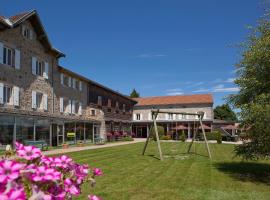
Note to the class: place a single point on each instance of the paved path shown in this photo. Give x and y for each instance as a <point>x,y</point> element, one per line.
<point>74,149</point>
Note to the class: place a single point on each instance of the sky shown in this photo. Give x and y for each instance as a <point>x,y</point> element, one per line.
<point>158,47</point>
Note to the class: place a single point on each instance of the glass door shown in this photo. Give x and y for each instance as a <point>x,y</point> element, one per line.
<point>60,135</point>
<point>96,133</point>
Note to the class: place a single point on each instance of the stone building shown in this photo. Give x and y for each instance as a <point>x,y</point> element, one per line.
<point>40,100</point>
<point>172,123</point>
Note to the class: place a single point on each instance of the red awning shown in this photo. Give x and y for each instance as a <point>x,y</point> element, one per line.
<point>205,127</point>
<point>180,127</point>
<point>229,127</point>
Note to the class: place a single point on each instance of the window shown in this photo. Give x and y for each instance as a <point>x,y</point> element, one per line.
<point>109,103</point>
<point>9,56</point>
<point>39,100</point>
<point>75,107</point>
<point>39,68</point>
<point>66,105</point>
<point>138,116</point>
<point>99,100</point>
<point>93,112</point>
<point>124,108</point>
<point>66,81</point>
<point>7,94</point>
<point>26,33</point>
<point>170,116</point>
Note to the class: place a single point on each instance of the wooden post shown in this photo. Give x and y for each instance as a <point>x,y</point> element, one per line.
<point>193,138</point>
<point>157,137</point>
<point>205,139</point>
<point>147,140</point>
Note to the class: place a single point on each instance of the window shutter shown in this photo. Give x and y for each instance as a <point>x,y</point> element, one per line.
<point>34,99</point>
<point>80,109</point>
<point>62,78</point>
<point>204,116</point>
<point>34,65</point>
<point>174,116</point>
<point>166,116</point>
<point>16,96</point>
<point>69,106</point>
<point>1,53</point>
<point>134,116</point>
<point>61,104</point>
<point>149,116</point>
<point>69,81</point>
<point>74,83</point>
<point>1,93</point>
<point>45,101</point>
<point>17,59</point>
<point>46,70</point>
<point>23,28</point>
<point>73,107</point>
<point>80,86</point>
<point>31,34</point>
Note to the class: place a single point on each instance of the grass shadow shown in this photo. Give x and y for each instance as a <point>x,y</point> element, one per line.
<point>246,171</point>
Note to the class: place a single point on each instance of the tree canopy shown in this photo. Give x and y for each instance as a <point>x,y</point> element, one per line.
<point>134,94</point>
<point>224,112</point>
<point>253,98</point>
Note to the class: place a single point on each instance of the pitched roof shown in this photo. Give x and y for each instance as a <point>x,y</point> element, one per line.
<point>83,78</point>
<point>175,100</point>
<point>15,20</point>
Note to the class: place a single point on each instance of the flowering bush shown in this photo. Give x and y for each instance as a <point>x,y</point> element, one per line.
<point>35,176</point>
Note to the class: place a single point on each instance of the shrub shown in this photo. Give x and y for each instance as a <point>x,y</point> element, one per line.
<point>165,137</point>
<point>211,135</point>
<point>34,176</point>
<point>160,132</point>
<point>127,138</point>
<point>218,137</point>
<point>183,136</point>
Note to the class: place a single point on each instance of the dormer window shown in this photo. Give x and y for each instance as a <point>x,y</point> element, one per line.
<point>27,33</point>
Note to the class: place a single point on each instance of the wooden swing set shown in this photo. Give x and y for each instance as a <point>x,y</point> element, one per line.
<point>155,113</point>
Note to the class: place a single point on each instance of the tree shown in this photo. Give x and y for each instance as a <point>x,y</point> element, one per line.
<point>253,98</point>
<point>224,112</point>
<point>134,94</point>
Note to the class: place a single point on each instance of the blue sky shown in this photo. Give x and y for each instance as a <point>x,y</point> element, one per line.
<point>159,47</point>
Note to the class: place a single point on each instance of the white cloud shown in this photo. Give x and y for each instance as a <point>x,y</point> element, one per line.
<point>174,90</point>
<point>201,90</point>
<point>230,80</point>
<point>221,88</point>
<point>175,93</point>
<point>216,89</point>
<point>151,55</point>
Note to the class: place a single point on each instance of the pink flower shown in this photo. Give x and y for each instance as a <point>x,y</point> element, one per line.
<point>93,197</point>
<point>29,152</point>
<point>9,170</point>
<point>49,161</point>
<point>44,173</point>
<point>71,187</point>
<point>81,171</point>
<point>57,192</point>
<point>14,194</point>
<point>97,172</point>
<point>18,145</point>
<point>62,161</point>
<point>39,195</point>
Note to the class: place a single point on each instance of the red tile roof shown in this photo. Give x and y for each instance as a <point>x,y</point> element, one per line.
<point>17,17</point>
<point>175,100</point>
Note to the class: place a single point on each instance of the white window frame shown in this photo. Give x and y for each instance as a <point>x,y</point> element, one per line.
<point>6,57</point>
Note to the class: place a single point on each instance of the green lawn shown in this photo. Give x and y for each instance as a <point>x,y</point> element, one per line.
<point>129,175</point>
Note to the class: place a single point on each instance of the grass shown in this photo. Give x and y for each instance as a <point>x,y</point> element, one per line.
<point>131,176</point>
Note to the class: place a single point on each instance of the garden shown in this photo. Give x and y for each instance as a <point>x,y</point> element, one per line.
<point>129,175</point>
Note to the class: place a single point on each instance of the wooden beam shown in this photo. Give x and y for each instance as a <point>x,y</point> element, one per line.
<point>205,140</point>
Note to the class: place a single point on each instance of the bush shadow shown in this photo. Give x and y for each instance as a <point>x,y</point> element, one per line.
<point>246,171</point>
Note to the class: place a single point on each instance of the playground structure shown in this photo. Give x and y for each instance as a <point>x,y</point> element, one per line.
<point>155,113</point>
